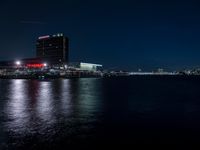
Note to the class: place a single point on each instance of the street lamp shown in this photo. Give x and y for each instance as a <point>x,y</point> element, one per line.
<point>18,63</point>
<point>45,64</point>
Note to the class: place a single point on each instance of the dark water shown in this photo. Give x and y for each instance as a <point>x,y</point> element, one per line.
<point>78,112</point>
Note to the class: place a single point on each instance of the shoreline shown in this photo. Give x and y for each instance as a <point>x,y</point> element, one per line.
<point>76,77</point>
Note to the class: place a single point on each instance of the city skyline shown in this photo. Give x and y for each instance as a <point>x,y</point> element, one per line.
<point>125,35</point>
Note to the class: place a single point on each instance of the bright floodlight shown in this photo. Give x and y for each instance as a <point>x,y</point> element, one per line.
<point>18,62</point>
<point>45,64</point>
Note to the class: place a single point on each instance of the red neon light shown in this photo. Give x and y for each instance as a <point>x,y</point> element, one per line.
<point>35,65</point>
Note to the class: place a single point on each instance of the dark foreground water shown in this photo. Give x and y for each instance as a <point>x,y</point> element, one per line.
<point>83,112</point>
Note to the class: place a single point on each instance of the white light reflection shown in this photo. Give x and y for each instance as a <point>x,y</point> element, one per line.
<point>66,97</point>
<point>45,107</point>
<point>17,107</point>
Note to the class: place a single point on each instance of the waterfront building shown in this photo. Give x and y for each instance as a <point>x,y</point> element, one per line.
<point>85,66</point>
<point>54,49</point>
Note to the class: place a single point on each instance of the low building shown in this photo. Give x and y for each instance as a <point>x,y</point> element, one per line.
<point>85,66</point>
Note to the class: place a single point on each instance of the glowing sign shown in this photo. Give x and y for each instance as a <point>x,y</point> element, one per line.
<point>35,65</point>
<point>44,37</point>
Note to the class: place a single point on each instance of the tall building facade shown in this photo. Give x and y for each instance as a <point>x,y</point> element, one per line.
<point>53,49</point>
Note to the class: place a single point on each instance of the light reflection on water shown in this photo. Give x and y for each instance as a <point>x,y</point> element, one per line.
<point>17,110</point>
<point>66,98</point>
<point>143,109</point>
<point>89,99</point>
<point>43,109</point>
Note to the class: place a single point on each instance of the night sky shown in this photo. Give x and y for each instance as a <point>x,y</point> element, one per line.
<point>120,34</point>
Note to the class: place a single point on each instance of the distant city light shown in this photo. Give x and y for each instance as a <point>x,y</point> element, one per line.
<point>18,63</point>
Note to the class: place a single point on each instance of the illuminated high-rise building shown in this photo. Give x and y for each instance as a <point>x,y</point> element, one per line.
<point>54,49</point>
